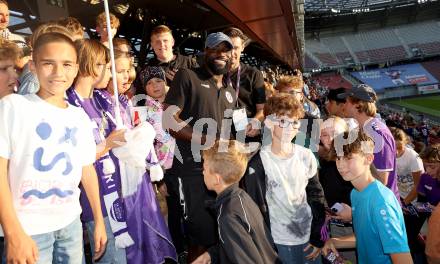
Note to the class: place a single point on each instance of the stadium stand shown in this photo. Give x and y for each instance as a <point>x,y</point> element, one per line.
<point>331,81</point>
<point>377,46</point>
<point>433,67</point>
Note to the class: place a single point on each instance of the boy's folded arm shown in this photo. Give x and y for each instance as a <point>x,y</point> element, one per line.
<point>316,200</point>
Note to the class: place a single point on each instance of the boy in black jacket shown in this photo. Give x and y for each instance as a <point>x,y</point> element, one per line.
<point>244,237</point>
<point>282,180</point>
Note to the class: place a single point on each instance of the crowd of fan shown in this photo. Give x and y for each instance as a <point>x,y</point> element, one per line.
<point>305,192</point>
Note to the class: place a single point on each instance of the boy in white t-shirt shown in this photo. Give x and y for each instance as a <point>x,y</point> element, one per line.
<point>46,149</point>
<point>282,180</point>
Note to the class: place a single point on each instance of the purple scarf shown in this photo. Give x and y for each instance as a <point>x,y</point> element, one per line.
<point>107,166</point>
<point>146,224</point>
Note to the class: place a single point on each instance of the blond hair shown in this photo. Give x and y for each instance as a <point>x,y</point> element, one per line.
<point>73,25</point>
<point>132,74</point>
<point>90,52</point>
<point>369,108</point>
<point>101,21</point>
<point>400,136</point>
<point>230,163</point>
<point>9,50</point>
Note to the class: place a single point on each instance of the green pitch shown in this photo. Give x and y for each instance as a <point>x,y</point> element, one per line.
<point>429,105</point>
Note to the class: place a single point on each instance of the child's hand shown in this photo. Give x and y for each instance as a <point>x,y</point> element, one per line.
<point>115,139</point>
<point>21,249</point>
<point>205,258</point>
<point>315,252</point>
<point>329,246</point>
<point>345,214</point>
<point>100,238</point>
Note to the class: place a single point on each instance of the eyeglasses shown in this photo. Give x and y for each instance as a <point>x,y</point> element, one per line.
<point>284,122</point>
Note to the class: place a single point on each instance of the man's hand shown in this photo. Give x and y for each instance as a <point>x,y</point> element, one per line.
<point>205,258</point>
<point>314,254</point>
<point>100,238</point>
<point>345,214</point>
<point>21,249</point>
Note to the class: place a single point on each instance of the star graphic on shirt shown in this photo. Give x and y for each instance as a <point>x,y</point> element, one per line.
<point>69,136</point>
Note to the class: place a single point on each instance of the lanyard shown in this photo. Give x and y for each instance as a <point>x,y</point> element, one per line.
<point>237,86</point>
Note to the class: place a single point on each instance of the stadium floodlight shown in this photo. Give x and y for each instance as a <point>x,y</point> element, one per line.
<point>361,10</point>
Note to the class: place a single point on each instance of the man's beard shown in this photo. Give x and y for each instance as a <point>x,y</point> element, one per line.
<point>217,69</point>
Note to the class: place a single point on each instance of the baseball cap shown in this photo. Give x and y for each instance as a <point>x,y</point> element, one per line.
<point>214,39</point>
<point>362,92</point>
<point>333,95</point>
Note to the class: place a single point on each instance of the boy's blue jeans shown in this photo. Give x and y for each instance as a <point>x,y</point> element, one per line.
<point>64,246</point>
<point>295,254</point>
<point>112,254</point>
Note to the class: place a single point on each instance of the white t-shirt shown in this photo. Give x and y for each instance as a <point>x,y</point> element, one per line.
<point>408,163</point>
<point>47,148</point>
<point>290,214</point>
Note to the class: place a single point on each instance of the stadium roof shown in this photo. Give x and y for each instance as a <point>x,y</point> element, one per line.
<point>336,16</point>
<point>271,24</point>
<point>355,6</point>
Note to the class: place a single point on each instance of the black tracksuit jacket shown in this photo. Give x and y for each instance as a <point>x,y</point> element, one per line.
<point>244,237</point>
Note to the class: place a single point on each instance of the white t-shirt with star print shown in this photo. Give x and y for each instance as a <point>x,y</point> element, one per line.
<point>47,147</point>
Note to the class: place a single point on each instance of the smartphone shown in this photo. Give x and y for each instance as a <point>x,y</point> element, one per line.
<point>330,211</point>
<point>332,258</point>
<point>337,208</point>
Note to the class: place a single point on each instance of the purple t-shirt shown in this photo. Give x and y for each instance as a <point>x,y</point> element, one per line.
<point>429,187</point>
<point>384,151</point>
